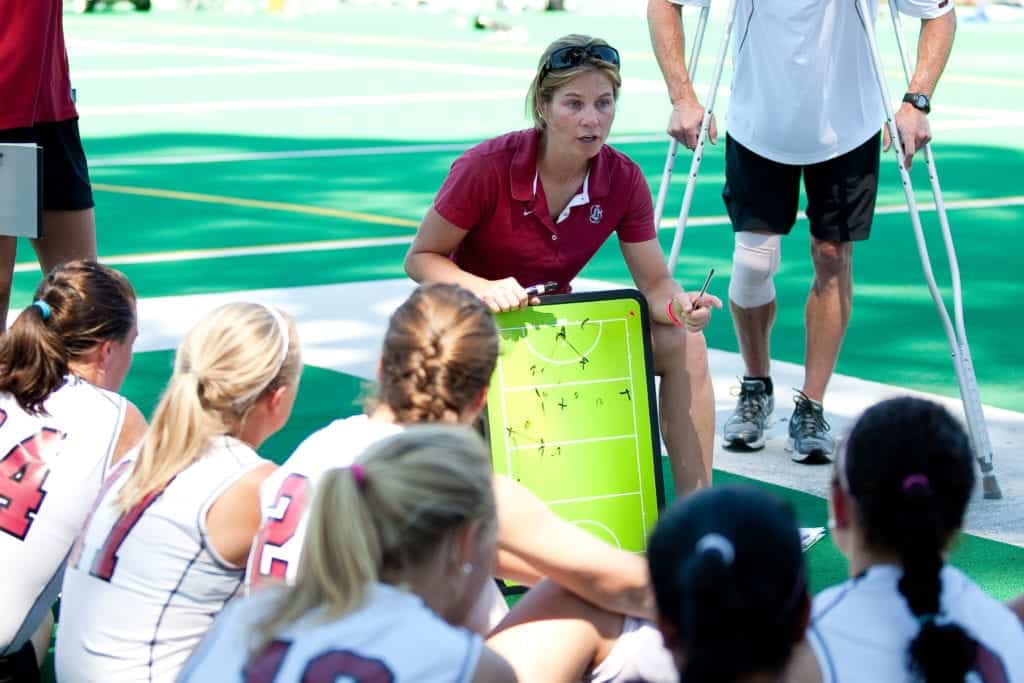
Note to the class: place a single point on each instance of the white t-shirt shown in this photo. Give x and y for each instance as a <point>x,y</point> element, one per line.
<point>393,636</point>
<point>860,630</point>
<point>286,494</point>
<point>51,467</point>
<point>142,588</point>
<point>803,87</point>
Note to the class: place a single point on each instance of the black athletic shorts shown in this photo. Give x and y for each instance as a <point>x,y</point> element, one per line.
<point>20,667</point>
<point>762,195</point>
<point>66,184</point>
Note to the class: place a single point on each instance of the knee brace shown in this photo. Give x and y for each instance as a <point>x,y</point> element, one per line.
<point>754,262</point>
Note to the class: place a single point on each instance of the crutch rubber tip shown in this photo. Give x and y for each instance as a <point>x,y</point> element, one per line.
<point>990,487</point>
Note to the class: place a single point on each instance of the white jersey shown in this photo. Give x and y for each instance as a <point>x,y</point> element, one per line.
<point>803,86</point>
<point>51,467</point>
<point>286,494</point>
<point>860,630</point>
<point>142,588</point>
<point>394,636</point>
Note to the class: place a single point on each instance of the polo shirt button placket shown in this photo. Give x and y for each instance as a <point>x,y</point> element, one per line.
<point>554,237</point>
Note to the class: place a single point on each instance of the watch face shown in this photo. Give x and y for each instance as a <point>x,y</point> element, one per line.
<point>920,101</point>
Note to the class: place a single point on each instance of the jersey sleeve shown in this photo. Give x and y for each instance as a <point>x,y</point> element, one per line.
<point>638,223</point>
<point>469,192</point>
<point>924,9</point>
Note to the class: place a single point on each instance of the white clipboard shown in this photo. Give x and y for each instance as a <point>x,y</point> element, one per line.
<point>21,190</point>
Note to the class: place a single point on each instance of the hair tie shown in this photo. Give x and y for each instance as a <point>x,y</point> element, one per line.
<point>719,544</point>
<point>912,480</point>
<point>44,309</point>
<point>926,619</point>
<point>359,474</point>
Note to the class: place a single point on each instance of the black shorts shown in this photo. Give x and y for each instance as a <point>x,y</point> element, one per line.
<point>762,195</point>
<point>20,667</point>
<point>66,184</point>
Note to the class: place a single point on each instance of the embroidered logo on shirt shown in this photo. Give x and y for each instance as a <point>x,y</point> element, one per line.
<point>596,213</point>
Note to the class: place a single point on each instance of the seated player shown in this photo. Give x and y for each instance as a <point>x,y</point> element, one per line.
<point>534,206</point>
<point>165,545</point>
<point>902,480</point>
<point>731,585</point>
<point>61,427</point>
<point>439,352</point>
<point>381,596</point>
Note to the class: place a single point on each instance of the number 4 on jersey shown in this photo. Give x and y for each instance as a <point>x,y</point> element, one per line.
<point>22,473</point>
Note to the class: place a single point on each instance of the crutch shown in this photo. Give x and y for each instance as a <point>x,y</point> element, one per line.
<point>957,336</point>
<point>673,144</point>
<point>705,125</point>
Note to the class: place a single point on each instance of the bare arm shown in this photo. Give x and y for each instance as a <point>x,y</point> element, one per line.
<point>664,21</point>
<point>646,264</point>
<point>933,48</point>
<point>605,576</point>
<point>234,518</point>
<point>493,667</point>
<point>429,260</point>
<point>1017,605</point>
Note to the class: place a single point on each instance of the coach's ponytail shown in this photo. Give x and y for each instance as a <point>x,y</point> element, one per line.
<point>224,365</point>
<point>399,501</point>
<point>439,352</point>
<point>729,577</point>
<point>77,305</point>
<point>909,467</point>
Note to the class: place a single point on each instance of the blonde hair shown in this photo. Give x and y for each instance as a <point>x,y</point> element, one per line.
<point>546,82</point>
<point>438,356</point>
<point>85,304</point>
<point>412,491</point>
<point>236,355</point>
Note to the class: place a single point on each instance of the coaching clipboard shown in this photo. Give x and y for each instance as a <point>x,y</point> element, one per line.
<point>572,414</point>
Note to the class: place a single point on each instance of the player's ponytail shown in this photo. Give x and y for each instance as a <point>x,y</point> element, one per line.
<point>908,465</point>
<point>224,365</point>
<point>728,575</point>
<point>77,306</point>
<point>439,352</point>
<point>399,501</point>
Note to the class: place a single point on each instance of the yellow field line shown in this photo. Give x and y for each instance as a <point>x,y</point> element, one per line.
<point>255,204</point>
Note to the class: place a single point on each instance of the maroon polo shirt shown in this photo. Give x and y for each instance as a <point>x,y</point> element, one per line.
<point>489,193</point>
<point>34,84</point>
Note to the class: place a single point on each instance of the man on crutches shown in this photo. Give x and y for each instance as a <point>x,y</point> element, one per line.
<point>805,101</point>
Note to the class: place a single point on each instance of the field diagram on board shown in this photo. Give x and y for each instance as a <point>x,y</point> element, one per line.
<point>571,412</point>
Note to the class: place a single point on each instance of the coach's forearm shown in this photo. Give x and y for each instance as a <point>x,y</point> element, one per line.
<point>667,38</point>
<point>933,48</point>
<point>430,267</point>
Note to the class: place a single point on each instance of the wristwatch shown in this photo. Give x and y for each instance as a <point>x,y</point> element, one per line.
<point>919,101</point>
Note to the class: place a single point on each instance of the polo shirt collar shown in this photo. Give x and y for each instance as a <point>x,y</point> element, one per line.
<point>524,170</point>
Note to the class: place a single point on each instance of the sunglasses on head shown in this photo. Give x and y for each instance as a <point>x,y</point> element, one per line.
<point>569,57</point>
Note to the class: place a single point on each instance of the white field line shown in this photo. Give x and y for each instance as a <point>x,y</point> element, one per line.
<point>375,242</point>
<point>573,442</point>
<point>586,499</point>
<point>531,387</point>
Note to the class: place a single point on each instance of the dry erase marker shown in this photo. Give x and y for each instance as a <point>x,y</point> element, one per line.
<point>542,288</point>
<point>703,290</point>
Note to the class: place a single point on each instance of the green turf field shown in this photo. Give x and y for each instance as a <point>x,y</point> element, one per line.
<point>237,152</point>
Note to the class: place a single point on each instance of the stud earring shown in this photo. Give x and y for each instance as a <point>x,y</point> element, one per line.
<point>467,567</point>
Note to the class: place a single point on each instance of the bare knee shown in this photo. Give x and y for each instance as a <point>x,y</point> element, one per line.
<point>676,349</point>
<point>831,259</point>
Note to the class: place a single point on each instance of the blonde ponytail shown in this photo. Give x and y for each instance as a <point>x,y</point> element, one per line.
<point>224,365</point>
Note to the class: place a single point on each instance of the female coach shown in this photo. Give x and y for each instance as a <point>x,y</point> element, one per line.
<point>533,206</point>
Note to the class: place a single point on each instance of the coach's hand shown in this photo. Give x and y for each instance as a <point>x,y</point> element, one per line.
<point>505,295</point>
<point>684,124</point>
<point>915,132</point>
<point>694,313</point>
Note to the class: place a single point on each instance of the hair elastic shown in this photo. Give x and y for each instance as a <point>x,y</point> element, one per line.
<point>672,315</point>
<point>44,309</point>
<point>359,474</point>
<point>912,480</point>
<point>717,543</point>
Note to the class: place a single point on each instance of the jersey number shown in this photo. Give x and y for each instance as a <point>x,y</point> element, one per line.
<point>324,668</point>
<point>105,561</point>
<point>277,532</point>
<point>22,473</point>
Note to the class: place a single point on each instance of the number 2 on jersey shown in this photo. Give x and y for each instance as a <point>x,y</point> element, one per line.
<point>22,473</point>
<point>278,531</point>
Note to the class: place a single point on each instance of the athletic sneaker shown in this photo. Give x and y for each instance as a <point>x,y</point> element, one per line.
<point>809,437</point>
<point>744,430</point>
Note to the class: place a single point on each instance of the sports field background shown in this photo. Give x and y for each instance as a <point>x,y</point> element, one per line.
<point>233,152</point>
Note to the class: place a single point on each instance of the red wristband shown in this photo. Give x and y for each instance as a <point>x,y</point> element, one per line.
<point>671,315</point>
